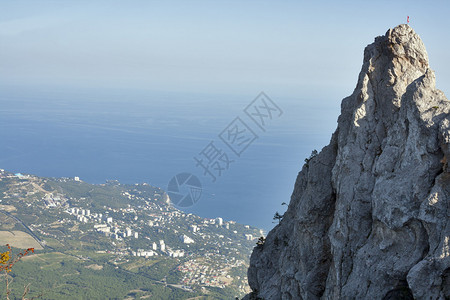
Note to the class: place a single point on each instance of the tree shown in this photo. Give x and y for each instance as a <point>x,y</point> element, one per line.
<point>313,154</point>
<point>278,217</point>
<point>7,261</point>
<point>261,241</point>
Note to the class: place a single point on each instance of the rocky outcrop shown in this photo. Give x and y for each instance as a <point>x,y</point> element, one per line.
<point>369,217</point>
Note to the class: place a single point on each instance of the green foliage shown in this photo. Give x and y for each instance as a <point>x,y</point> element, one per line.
<point>313,154</point>
<point>278,217</point>
<point>160,270</point>
<point>68,277</point>
<point>260,242</point>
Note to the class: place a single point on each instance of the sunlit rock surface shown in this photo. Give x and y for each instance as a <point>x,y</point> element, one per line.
<point>369,217</point>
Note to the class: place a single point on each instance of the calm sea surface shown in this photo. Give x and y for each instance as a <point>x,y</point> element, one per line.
<point>137,137</point>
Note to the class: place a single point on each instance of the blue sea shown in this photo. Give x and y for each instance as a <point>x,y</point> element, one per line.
<point>137,136</point>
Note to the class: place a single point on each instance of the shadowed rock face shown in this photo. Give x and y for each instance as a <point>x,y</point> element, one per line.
<point>369,217</point>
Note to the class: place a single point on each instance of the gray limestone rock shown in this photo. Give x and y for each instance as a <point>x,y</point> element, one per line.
<point>369,217</point>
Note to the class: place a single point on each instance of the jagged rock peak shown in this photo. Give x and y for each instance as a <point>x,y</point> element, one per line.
<point>401,43</point>
<point>393,62</point>
<point>369,217</point>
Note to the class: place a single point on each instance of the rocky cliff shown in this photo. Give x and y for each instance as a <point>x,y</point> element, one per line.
<point>369,217</point>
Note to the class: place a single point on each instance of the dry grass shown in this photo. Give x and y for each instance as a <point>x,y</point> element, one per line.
<point>94,267</point>
<point>8,208</point>
<point>19,239</point>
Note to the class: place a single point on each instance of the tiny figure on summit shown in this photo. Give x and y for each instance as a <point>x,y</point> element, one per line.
<point>407,19</point>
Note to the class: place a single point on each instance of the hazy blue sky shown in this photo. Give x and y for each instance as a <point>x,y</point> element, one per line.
<point>289,48</point>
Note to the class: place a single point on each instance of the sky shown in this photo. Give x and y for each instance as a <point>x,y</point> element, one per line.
<point>286,48</point>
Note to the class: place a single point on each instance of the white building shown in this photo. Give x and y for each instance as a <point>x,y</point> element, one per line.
<point>136,235</point>
<point>185,239</point>
<point>143,253</point>
<point>109,220</point>
<point>102,228</point>
<point>155,246</point>
<point>219,221</point>
<point>162,245</point>
<point>148,253</point>
<point>176,253</point>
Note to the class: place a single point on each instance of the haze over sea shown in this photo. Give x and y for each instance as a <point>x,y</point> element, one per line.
<point>149,84</point>
<point>141,136</point>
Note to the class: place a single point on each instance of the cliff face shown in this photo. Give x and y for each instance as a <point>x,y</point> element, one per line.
<point>369,217</point>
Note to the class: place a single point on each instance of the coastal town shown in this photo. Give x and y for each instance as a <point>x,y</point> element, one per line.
<point>134,226</point>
